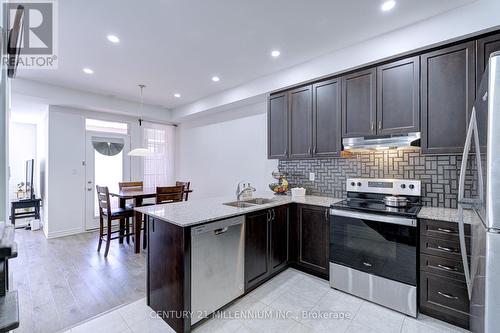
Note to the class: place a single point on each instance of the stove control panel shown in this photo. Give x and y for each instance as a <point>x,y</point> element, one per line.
<point>384,186</point>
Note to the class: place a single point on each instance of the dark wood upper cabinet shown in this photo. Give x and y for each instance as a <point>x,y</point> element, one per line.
<point>447,96</point>
<point>300,114</point>
<point>359,103</point>
<point>327,123</point>
<point>277,126</point>
<point>278,228</point>
<point>398,97</point>
<point>257,265</point>
<point>485,47</point>
<point>311,232</point>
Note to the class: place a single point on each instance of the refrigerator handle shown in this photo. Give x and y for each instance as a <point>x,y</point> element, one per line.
<point>472,130</point>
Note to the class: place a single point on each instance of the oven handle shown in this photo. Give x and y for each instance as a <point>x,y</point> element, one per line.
<point>375,217</point>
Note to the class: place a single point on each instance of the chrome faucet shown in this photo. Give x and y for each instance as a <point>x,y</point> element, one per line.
<point>242,189</point>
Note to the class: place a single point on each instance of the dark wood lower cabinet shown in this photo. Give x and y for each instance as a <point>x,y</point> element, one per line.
<point>266,244</point>
<point>445,299</point>
<point>168,274</point>
<point>257,266</point>
<point>443,291</point>
<point>279,231</point>
<point>310,238</point>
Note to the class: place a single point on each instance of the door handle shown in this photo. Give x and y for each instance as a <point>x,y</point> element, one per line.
<point>220,231</point>
<point>448,231</point>
<point>448,268</point>
<point>447,249</point>
<point>447,295</point>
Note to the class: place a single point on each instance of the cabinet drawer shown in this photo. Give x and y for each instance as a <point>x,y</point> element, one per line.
<point>441,229</point>
<point>442,247</point>
<point>444,298</point>
<point>442,266</point>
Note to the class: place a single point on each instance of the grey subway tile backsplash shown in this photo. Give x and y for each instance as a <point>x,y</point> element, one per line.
<point>439,174</point>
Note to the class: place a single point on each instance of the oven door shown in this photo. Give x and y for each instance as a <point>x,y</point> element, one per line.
<point>381,245</point>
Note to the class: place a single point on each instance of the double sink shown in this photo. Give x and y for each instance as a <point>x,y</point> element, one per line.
<point>249,203</point>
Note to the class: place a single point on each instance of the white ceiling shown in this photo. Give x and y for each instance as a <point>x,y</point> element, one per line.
<point>178,45</point>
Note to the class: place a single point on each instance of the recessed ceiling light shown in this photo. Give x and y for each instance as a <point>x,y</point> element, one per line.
<point>113,39</point>
<point>275,53</point>
<point>388,5</point>
<point>177,95</point>
<point>215,78</point>
<point>88,71</point>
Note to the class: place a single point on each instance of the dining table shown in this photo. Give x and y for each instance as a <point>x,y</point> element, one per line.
<point>137,195</point>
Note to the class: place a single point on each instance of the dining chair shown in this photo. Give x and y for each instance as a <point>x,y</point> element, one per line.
<point>136,186</point>
<point>186,188</point>
<point>108,214</point>
<point>169,194</point>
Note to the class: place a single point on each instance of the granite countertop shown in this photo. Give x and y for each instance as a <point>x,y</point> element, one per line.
<point>198,211</point>
<point>446,214</point>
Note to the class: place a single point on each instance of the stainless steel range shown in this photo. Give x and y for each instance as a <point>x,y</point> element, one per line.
<point>373,242</point>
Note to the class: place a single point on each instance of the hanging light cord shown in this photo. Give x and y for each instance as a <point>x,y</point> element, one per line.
<point>142,86</point>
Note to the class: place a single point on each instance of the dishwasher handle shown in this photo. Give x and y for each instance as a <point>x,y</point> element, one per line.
<point>220,231</point>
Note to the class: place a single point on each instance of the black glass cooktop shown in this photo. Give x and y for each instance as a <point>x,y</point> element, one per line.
<point>377,206</point>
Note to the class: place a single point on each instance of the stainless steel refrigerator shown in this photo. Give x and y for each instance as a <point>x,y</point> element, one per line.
<point>479,190</point>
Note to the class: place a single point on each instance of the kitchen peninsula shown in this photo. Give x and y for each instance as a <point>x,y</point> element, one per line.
<point>269,240</point>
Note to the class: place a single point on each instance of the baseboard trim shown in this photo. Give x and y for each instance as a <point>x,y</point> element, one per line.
<point>64,233</point>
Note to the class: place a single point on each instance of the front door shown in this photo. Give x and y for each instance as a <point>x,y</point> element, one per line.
<point>107,164</point>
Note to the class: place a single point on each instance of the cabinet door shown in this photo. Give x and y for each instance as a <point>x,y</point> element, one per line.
<point>327,124</point>
<point>398,98</point>
<point>256,248</point>
<point>448,89</point>
<point>485,47</point>
<point>279,237</point>
<point>277,126</point>
<point>300,122</point>
<point>313,233</point>
<point>358,104</point>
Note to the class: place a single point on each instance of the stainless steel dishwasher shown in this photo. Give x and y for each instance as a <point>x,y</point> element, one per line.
<point>217,264</point>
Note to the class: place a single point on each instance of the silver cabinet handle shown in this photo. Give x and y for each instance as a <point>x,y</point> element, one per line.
<point>447,249</point>
<point>447,295</point>
<point>485,97</point>
<point>314,150</point>
<point>268,213</point>
<point>367,264</point>
<point>220,231</point>
<point>380,124</point>
<point>273,215</point>
<point>373,126</point>
<point>448,231</point>
<point>309,150</point>
<point>448,268</point>
<point>326,215</point>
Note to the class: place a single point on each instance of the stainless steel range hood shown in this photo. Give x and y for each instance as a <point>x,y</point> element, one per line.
<point>382,142</point>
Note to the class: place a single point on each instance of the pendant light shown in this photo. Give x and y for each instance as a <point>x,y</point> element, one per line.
<point>141,151</point>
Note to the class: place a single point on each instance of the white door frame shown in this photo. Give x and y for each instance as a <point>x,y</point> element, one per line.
<point>91,221</point>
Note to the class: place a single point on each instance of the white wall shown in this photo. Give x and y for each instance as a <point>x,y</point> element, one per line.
<point>22,147</point>
<point>42,157</point>
<point>66,179</point>
<point>218,151</point>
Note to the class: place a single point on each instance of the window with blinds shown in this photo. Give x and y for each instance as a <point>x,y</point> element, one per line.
<point>158,168</point>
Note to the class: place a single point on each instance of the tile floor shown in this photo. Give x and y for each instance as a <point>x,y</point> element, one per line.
<point>65,281</point>
<point>290,293</point>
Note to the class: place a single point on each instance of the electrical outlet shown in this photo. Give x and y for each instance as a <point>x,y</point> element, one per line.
<point>311,176</point>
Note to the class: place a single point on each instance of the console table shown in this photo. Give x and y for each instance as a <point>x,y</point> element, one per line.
<point>34,204</point>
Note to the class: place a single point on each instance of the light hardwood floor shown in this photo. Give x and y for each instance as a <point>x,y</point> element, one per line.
<point>64,281</point>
